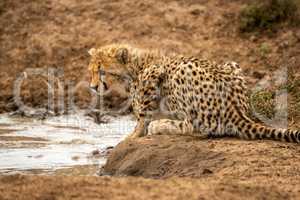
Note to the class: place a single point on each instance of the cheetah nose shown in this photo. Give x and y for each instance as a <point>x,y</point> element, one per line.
<point>94,88</point>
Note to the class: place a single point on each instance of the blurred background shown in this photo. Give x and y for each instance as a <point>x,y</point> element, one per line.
<point>262,36</point>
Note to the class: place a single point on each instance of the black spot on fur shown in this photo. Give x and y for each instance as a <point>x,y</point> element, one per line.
<point>209,116</point>
<point>180,125</point>
<point>229,98</point>
<point>249,136</point>
<point>146,102</point>
<point>261,129</point>
<point>257,136</point>
<point>279,135</point>
<point>236,121</point>
<point>239,129</point>
<point>293,137</point>
<point>273,136</point>
<point>264,135</point>
<point>231,114</point>
<point>286,137</point>
<point>146,93</point>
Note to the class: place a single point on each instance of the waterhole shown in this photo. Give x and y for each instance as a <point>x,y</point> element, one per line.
<point>63,144</point>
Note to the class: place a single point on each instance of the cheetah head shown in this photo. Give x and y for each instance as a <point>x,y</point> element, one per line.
<point>107,67</point>
<point>109,62</point>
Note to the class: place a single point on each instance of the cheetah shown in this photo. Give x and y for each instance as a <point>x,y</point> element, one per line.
<point>195,96</point>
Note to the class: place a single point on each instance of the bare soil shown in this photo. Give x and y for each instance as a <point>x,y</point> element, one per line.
<point>56,34</point>
<point>166,156</point>
<point>257,164</point>
<point>68,187</point>
<point>175,167</point>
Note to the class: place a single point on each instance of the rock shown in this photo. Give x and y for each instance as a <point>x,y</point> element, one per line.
<point>163,156</point>
<point>207,171</point>
<point>258,75</point>
<point>253,38</point>
<point>197,10</point>
<point>96,152</point>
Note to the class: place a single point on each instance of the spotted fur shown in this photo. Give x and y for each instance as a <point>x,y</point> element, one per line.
<point>198,97</point>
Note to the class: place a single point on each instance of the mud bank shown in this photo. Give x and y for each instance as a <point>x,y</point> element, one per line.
<point>259,164</point>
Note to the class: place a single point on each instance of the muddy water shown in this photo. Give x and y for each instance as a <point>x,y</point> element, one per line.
<point>64,144</point>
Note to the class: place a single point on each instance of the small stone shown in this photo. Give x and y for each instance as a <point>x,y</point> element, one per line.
<point>109,147</point>
<point>253,38</point>
<point>207,171</point>
<point>205,37</point>
<point>96,152</point>
<point>195,12</point>
<point>258,75</point>
<point>75,158</point>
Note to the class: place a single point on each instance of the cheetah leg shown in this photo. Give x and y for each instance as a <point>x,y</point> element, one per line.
<point>168,126</point>
<point>147,96</point>
<point>139,129</point>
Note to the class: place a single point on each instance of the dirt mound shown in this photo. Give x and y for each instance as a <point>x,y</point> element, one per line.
<point>68,187</point>
<point>253,162</point>
<point>163,156</point>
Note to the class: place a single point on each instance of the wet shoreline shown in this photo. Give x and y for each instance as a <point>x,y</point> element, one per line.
<point>57,144</point>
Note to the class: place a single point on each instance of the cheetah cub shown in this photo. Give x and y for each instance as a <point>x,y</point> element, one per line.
<point>196,96</point>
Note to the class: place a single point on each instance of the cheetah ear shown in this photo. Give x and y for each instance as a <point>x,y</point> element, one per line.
<point>122,55</point>
<point>92,51</point>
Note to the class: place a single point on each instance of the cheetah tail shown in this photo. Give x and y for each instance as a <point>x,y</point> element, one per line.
<point>252,130</point>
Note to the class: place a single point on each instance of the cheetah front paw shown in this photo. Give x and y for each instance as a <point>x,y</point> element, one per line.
<point>163,126</point>
<point>153,128</point>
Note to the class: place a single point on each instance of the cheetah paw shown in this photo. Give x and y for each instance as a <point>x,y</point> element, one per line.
<point>163,126</point>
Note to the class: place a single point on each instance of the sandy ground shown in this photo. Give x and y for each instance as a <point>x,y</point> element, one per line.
<point>56,34</point>
<point>260,165</point>
<point>60,187</point>
<point>165,156</point>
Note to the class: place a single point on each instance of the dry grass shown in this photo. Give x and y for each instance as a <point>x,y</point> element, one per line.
<point>266,15</point>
